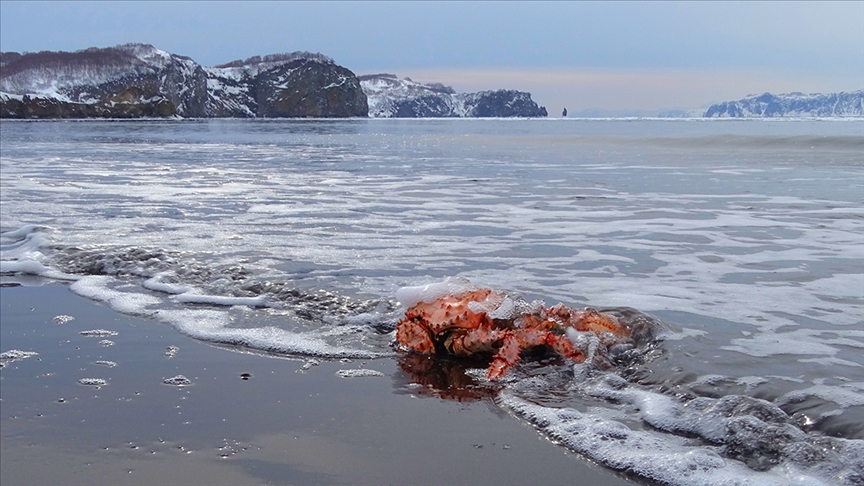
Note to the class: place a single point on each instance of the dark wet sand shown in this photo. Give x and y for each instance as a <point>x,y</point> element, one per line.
<point>284,425</point>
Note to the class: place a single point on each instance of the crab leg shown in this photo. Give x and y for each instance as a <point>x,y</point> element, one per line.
<point>474,341</point>
<point>516,341</point>
<point>505,358</point>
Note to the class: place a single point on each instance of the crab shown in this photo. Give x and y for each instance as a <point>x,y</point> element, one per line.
<point>478,322</point>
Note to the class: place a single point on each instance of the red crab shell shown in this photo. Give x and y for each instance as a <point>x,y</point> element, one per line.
<point>451,325</point>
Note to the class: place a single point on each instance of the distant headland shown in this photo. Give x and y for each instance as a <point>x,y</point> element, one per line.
<point>141,81</point>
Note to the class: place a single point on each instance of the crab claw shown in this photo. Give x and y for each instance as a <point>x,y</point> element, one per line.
<point>588,319</point>
<point>415,336</point>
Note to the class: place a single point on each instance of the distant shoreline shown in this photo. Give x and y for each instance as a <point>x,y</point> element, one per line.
<point>850,118</point>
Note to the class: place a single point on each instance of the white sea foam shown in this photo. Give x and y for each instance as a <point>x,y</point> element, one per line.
<point>62,319</point>
<point>193,298</point>
<point>211,326</point>
<point>214,325</point>
<point>156,284</point>
<point>646,453</point>
<point>22,232</point>
<point>358,373</point>
<point>178,380</point>
<point>171,351</point>
<point>96,288</point>
<point>190,295</point>
<point>98,333</point>
<point>748,244</point>
<point>409,296</point>
<point>21,253</point>
<point>664,454</point>
<point>15,354</point>
<point>93,382</point>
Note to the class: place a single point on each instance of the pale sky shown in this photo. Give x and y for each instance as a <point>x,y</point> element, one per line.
<point>640,56</point>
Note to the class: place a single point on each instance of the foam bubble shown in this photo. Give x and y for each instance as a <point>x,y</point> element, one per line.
<point>92,381</point>
<point>358,373</point>
<point>99,333</point>
<point>15,354</point>
<point>62,319</point>
<point>178,380</point>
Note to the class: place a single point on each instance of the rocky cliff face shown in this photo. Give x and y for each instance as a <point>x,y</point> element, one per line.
<point>137,80</point>
<point>132,80</point>
<point>502,103</point>
<point>391,97</point>
<point>791,105</point>
<point>299,85</point>
<point>307,88</point>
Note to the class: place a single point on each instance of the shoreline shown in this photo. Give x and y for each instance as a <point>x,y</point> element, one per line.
<point>291,421</point>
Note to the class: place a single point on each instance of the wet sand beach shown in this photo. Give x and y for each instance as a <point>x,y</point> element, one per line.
<point>246,418</point>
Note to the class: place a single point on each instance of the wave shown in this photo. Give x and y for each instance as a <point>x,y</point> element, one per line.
<point>657,413</point>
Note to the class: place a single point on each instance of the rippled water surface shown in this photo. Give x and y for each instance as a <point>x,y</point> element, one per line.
<point>745,238</point>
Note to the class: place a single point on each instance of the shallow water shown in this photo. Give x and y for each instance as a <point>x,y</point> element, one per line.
<point>245,418</point>
<point>746,238</point>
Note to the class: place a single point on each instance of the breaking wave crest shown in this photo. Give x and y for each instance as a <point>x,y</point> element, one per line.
<point>225,305</point>
<point>734,439</point>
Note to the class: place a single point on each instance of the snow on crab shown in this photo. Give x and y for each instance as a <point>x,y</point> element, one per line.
<point>466,321</point>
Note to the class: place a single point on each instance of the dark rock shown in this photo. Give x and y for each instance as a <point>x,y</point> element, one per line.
<point>310,88</point>
<point>138,80</point>
<point>502,103</point>
<point>299,84</point>
<point>122,105</point>
<point>429,106</point>
<point>391,97</point>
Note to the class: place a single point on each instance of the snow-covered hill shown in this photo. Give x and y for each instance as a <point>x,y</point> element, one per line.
<point>391,97</point>
<point>283,85</point>
<point>792,105</point>
<point>135,80</point>
<point>92,75</point>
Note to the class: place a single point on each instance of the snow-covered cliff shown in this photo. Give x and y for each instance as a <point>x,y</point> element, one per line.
<point>135,80</point>
<point>131,75</point>
<point>792,105</point>
<point>391,97</point>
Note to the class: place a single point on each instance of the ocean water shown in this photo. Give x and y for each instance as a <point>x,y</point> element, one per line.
<point>740,243</point>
